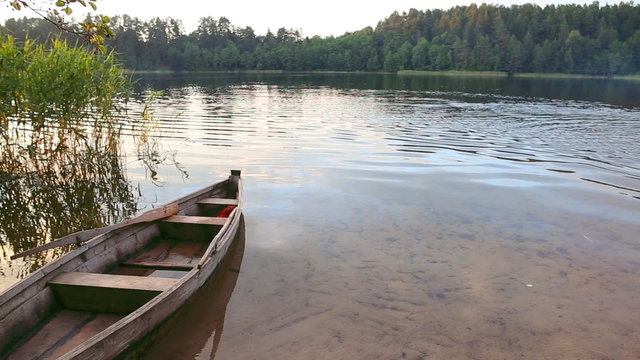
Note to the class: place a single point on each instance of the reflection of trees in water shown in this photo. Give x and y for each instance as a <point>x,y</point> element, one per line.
<point>57,179</point>
<point>149,150</point>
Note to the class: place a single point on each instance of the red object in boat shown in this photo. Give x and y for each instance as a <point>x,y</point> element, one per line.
<point>226,211</point>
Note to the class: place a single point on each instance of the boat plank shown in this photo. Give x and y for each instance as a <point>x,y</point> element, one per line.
<point>218,201</point>
<point>93,327</point>
<point>169,253</point>
<point>66,330</point>
<point>111,281</point>
<point>198,220</point>
<point>107,293</point>
<point>159,265</point>
<point>26,317</point>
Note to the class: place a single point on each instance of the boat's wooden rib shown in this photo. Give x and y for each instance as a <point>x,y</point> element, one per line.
<point>88,282</point>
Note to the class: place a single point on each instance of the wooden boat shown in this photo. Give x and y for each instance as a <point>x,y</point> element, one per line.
<point>100,298</point>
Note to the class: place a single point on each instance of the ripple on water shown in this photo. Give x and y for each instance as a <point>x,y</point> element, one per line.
<point>391,224</point>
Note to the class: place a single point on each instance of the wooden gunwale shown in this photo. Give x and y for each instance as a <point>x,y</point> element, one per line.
<point>134,325</point>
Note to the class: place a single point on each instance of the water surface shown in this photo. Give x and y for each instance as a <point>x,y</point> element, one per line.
<point>407,217</point>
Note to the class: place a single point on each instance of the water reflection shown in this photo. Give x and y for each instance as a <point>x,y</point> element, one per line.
<point>616,92</point>
<point>299,122</point>
<point>55,180</point>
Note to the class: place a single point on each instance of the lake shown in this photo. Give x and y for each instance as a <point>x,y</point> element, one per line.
<point>396,216</point>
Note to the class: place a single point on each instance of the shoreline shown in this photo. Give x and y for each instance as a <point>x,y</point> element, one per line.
<point>450,73</point>
<point>635,77</point>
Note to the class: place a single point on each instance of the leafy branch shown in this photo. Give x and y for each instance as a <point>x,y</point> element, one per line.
<point>93,33</point>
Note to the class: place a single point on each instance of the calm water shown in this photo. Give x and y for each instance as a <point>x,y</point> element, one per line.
<point>403,216</point>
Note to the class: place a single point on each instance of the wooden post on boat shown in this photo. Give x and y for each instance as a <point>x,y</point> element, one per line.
<point>233,186</point>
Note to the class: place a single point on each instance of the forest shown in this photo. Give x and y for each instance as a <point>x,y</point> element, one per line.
<point>577,39</point>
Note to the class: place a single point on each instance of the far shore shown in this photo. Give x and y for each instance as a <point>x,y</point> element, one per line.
<point>635,77</point>
<point>517,75</point>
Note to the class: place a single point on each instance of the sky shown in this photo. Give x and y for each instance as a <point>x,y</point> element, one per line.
<point>324,18</point>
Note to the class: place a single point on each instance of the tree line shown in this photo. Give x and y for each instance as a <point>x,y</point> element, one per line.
<point>581,39</point>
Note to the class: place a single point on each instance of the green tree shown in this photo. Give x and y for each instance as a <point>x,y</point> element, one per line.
<point>404,55</point>
<point>420,55</point>
<point>390,62</point>
<point>515,56</point>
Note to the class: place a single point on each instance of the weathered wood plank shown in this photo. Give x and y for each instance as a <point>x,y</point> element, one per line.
<point>25,317</point>
<point>113,281</point>
<point>169,254</point>
<point>218,201</point>
<point>196,220</point>
<point>51,334</point>
<point>159,265</point>
<point>93,327</point>
<point>107,293</point>
<point>63,332</point>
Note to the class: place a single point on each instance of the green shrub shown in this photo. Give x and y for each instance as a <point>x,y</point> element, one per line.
<point>58,85</point>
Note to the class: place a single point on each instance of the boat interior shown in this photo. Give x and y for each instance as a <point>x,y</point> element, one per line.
<point>121,275</point>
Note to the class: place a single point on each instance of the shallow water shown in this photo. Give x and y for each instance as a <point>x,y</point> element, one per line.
<point>409,217</point>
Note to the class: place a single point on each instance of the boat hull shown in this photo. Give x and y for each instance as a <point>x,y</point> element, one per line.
<point>28,304</point>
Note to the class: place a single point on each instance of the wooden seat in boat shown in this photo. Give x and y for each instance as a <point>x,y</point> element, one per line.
<point>110,281</point>
<point>196,220</point>
<point>106,293</point>
<point>218,201</point>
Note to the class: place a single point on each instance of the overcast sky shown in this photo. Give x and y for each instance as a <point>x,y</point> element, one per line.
<point>327,17</point>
